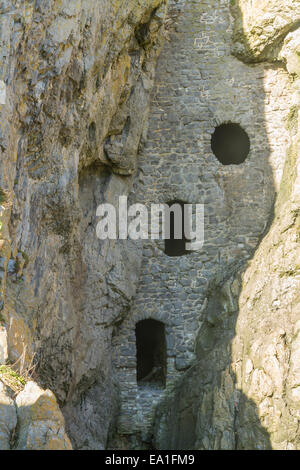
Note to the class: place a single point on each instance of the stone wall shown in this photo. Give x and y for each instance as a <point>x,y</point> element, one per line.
<point>242,393</point>
<point>200,84</point>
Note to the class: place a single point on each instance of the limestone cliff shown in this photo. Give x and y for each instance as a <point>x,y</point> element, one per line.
<point>265,350</point>
<point>32,421</point>
<point>75,80</point>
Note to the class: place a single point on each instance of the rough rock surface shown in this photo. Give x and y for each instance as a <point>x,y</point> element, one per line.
<point>3,345</point>
<point>266,348</point>
<point>261,26</point>
<point>31,420</point>
<point>40,422</point>
<point>75,81</point>
<point>8,418</point>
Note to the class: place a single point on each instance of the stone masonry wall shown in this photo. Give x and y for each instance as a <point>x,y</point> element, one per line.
<point>200,84</point>
<point>243,391</point>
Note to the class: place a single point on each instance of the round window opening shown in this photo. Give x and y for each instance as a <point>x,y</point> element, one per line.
<point>230,144</point>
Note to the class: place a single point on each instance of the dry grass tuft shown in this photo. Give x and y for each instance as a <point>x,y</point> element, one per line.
<point>15,376</point>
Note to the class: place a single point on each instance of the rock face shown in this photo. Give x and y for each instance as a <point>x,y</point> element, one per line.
<point>40,422</point>
<point>8,418</point>
<point>266,349</point>
<point>261,26</point>
<point>32,420</point>
<point>76,83</point>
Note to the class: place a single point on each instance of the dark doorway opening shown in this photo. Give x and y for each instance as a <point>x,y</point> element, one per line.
<point>230,143</point>
<point>174,245</point>
<point>151,352</point>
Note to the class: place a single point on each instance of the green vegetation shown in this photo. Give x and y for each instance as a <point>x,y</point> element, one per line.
<point>10,378</point>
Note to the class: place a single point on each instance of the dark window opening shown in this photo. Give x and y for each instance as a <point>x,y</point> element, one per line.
<point>230,144</point>
<point>175,246</point>
<point>151,353</point>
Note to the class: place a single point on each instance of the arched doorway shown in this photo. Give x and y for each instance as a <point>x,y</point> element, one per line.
<point>151,352</point>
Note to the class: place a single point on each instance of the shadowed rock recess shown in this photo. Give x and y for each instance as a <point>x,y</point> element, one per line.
<point>123,344</point>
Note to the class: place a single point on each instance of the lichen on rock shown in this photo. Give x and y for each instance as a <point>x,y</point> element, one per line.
<point>75,84</point>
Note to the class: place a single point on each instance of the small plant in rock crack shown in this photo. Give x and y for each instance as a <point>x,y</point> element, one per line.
<point>11,378</point>
<point>16,375</point>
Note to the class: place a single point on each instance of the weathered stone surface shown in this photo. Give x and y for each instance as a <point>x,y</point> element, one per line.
<point>8,418</point>
<point>268,321</point>
<point>75,83</point>
<point>3,345</point>
<point>75,86</point>
<point>30,420</point>
<point>40,421</point>
<point>261,26</point>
